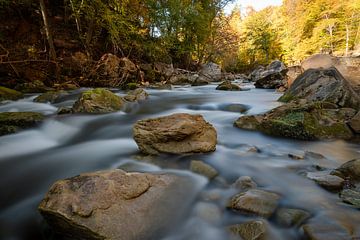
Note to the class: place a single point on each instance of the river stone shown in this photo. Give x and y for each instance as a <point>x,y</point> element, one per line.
<point>9,94</point>
<point>228,86</point>
<point>200,81</point>
<point>350,169</point>
<point>98,100</point>
<point>272,77</point>
<point>355,123</point>
<point>327,181</point>
<point>326,85</point>
<point>248,122</point>
<point>253,230</point>
<point>138,94</point>
<point>12,122</point>
<point>203,169</point>
<point>289,217</point>
<point>176,134</point>
<point>36,86</point>
<point>50,97</point>
<point>244,183</point>
<point>325,231</point>
<point>117,205</point>
<point>309,121</point>
<point>255,201</point>
<point>351,196</point>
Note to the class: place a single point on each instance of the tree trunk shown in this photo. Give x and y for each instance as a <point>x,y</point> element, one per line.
<point>347,40</point>
<point>52,52</point>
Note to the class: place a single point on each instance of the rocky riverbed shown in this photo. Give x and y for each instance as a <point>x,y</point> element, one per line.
<point>223,183</point>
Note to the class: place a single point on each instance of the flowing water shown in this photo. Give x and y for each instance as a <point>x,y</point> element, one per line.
<point>67,145</point>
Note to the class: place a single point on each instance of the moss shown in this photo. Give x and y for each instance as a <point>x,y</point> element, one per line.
<point>287,97</point>
<point>98,100</point>
<point>131,86</point>
<point>11,122</point>
<point>9,94</point>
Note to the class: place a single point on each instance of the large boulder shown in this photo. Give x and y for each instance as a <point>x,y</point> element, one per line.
<point>9,94</point>
<point>12,122</point>
<point>349,67</point>
<point>117,205</point>
<point>326,85</point>
<point>292,74</point>
<point>310,121</point>
<point>177,134</point>
<point>98,100</point>
<point>355,123</point>
<point>274,76</point>
<point>211,70</point>
<point>350,169</point>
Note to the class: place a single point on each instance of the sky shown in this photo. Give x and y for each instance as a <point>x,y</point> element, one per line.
<point>256,4</point>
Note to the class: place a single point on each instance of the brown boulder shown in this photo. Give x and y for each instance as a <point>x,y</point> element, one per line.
<point>177,134</point>
<point>117,205</point>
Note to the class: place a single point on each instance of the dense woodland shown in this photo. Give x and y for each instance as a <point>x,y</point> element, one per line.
<point>182,32</point>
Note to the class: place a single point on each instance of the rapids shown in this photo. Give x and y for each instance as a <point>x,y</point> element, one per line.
<point>67,145</point>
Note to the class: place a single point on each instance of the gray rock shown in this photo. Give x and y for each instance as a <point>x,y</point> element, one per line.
<point>289,217</point>
<point>327,181</point>
<point>355,123</point>
<point>138,94</point>
<point>255,201</point>
<point>228,86</point>
<point>50,97</point>
<point>203,169</point>
<point>274,76</point>
<point>244,183</point>
<point>177,134</point>
<point>116,205</point>
<point>326,85</point>
<point>351,196</point>
<point>350,169</point>
<point>325,231</point>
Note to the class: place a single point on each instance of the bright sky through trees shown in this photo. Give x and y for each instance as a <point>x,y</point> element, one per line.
<point>256,4</point>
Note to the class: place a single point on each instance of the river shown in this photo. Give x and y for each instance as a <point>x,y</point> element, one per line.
<point>67,145</point>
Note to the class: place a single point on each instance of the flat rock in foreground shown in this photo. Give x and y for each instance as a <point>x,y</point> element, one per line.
<point>117,205</point>
<point>176,134</point>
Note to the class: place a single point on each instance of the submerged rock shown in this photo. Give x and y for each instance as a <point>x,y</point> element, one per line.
<point>138,94</point>
<point>116,205</point>
<point>289,217</point>
<point>325,231</point>
<point>228,86</point>
<point>244,183</point>
<point>9,94</point>
<point>203,169</point>
<point>255,201</point>
<point>98,100</point>
<point>302,121</point>
<point>327,181</point>
<point>351,196</point>
<point>177,134</point>
<point>326,85</point>
<point>12,122</point>
<point>253,230</point>
<point>50,97</point>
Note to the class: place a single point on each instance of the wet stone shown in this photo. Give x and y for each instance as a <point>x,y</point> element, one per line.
<point>255,202</point>
<point>327,181</point>
<point>203,169</point>
<point>289,217</point>
<point>253,230</point>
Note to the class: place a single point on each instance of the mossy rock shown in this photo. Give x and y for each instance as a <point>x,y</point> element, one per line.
<point>131,86</point>
<point>51,97</point>
<point>97,101</point>
<point>9,94</point>
<point>33,87</point>
<point>287,97</point>
<point>12,122</point>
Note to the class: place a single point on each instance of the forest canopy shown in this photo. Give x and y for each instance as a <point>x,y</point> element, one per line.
<point>190,32</point>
